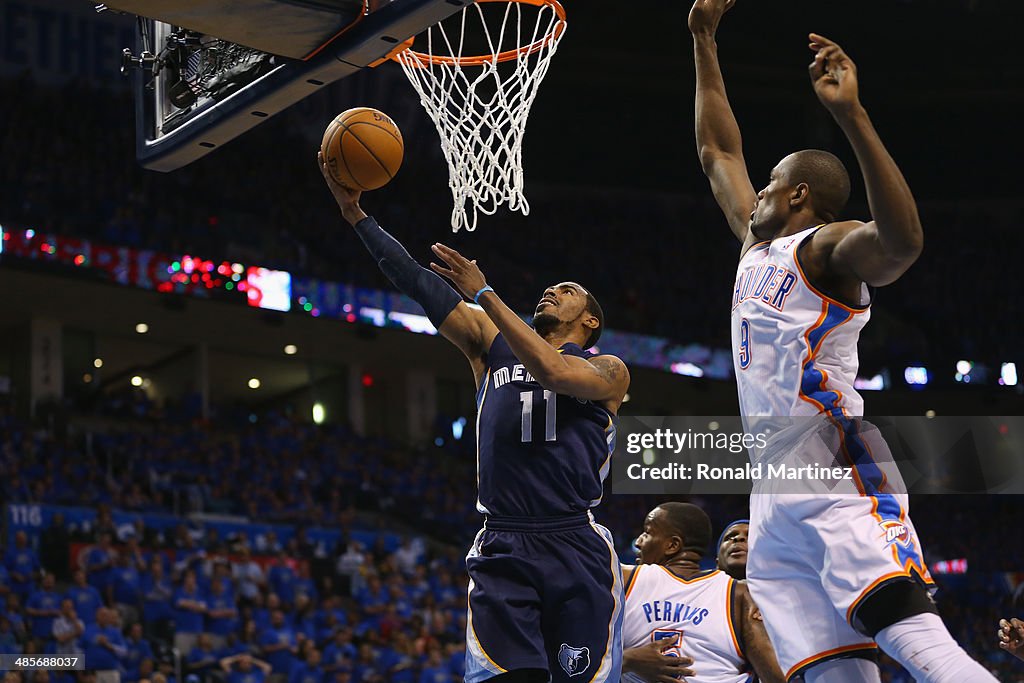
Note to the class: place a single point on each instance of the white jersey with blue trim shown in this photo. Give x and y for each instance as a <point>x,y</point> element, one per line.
<point>794,347</point>
<point>660,605</point>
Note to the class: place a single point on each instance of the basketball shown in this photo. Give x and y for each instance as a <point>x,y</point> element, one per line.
<point>363,148</point>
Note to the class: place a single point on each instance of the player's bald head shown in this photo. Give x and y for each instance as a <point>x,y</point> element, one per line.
<point>824,174</point>
<point>690,523</point>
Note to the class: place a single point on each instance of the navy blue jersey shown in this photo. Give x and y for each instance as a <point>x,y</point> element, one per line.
<point>539,454</point>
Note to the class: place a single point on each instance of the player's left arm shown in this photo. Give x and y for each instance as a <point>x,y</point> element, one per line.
<point>757,648</point>
<point>880,251</point>
<point>602,378</point>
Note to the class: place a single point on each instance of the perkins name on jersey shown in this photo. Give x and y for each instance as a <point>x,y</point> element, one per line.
<point>679,613</point>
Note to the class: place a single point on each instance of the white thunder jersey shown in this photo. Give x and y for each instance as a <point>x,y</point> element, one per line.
<point>794,348</point>
<point>659,605</point>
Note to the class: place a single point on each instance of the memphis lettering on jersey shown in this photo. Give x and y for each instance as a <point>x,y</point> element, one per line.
<point>505,375</point>
<point>768,282</point>
<point>678,613</point>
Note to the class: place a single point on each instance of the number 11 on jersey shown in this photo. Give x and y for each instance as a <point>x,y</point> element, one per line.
<point>550,402</point>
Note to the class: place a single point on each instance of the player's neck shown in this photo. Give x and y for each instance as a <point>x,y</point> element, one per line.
<point>557,338</point>
<point>799,222</point>
<point>684,569</point>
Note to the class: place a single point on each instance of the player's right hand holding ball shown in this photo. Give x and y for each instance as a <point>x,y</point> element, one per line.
<point>348,200</point>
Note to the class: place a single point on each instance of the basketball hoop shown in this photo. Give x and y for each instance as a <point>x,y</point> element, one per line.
<point>480,110</point>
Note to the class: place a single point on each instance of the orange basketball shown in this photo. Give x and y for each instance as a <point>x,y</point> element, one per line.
<point>363,148</point>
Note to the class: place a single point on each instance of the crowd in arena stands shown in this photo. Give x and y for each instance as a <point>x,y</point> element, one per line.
<point>245,204</point>
<point>244,611</point>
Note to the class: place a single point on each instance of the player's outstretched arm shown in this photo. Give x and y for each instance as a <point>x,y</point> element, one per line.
<point>472,331</point>
<point>880,251</point>
<point>650,662</point>
<point>718,135</point>
<point>1011,636</point>
<point>756,646</point>
<point>602,378</point>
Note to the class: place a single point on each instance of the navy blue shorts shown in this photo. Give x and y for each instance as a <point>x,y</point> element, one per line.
<point>544,594</point>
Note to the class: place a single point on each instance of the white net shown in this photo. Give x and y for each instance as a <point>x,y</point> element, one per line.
<point>480,102</point>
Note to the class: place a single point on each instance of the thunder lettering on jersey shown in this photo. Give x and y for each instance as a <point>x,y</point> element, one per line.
<point>539,454</point>
<point>794,348</point>
<point>660,605</point>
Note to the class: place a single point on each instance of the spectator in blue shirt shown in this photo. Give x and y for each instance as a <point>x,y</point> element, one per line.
<point>203,658</point>
<point>157,594</point>
<point>22,563</point>
<point>436,670</point>
<point>86,598</point>
<point>341,652</point>
<point>309,671</point>
<point>126,587</point>
<point>14,615</point>
<point>137,652</point>
<point>457,660</point>
<point>8,641</point>
<point>221,615</point>
<point>189,610</point>
<point>282,578</point>
<point>99,564</point>
<point>43,606</point>
<point>262,610</point>
<point>396,661</point>
<point>365,668</point>
<point>104,645</point>
<point>279,644</point>
<point>303,584</point>
<point>244,668</point>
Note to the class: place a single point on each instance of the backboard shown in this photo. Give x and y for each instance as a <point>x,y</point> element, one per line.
<point>196,90</point>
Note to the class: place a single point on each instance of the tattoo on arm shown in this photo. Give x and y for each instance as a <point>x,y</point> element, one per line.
<point>609,369</point>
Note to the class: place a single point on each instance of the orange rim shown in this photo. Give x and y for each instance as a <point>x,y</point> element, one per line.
<point>422,59</point>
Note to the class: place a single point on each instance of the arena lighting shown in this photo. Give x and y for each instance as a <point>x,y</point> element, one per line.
<point>688,369</point>
<point>963,371</point>
<point>1008,374</point>
<point>949,566</point>
<point>457,428</point>
<point>626,397</point>
<point>142,328</point>
<point>648,457</point>
<point>254,383</point>
<point>318,413</point>
<point>291,349</point>
<point>713,426</point>
<point>87,378</point>
<point>876,383</point>
<point>98,363</point>
<point>929,414</point>
<point>136,381</point>
<point>916,375</point>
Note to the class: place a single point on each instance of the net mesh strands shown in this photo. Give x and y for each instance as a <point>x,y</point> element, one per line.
<point>480,103</point>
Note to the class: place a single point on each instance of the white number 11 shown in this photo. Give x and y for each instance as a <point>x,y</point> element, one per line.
<point>550,401</point>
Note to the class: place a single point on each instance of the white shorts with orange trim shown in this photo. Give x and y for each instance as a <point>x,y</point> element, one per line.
<point>818,548</point>
<point>814,558</point>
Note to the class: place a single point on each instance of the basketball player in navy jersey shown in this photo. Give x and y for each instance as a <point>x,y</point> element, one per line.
<point>840,570</point>
<point>545,592</point>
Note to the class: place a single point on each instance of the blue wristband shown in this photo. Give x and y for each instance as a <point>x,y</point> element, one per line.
<point>485,288</point>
